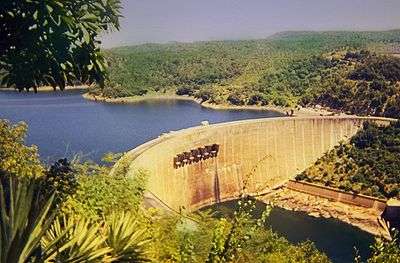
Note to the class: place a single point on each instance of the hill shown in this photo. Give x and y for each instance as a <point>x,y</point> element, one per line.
<point>368,164</point>
<point>287,69</point>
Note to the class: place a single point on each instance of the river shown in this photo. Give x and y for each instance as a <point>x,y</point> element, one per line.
<point>63,124</point>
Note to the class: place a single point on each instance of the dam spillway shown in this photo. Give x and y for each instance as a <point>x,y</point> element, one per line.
<point>253,157</point>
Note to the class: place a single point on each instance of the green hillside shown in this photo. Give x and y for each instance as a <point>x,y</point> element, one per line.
<point>368,164</point>
<point>287,69</point>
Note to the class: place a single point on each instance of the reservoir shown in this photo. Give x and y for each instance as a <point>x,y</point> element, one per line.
<point>63,124</point>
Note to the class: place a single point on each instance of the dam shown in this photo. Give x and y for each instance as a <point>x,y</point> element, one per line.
<point>200,166</point>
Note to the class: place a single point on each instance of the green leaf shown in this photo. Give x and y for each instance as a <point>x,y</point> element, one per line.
<point>89,17</point>
<point>49,8</point>
<point>69,30</point>
<point>86,36</point>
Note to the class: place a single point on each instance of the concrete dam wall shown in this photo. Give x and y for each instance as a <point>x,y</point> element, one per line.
<point>203,165</point>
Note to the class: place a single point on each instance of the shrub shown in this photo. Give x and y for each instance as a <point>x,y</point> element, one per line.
<point>185,91</point>
<point>205,95</point>
<point>281,101</point>
<point>61,180</point>
<point>256,99</point>
<point>17,159</point>
<point>235,99</point>
<point>100,193</point>
<point>385,251</point>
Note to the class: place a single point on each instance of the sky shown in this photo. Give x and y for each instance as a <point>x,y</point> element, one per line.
<point>160,21</point>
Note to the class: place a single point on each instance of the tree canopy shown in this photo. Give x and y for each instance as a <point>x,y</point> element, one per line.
<point>54,42</point>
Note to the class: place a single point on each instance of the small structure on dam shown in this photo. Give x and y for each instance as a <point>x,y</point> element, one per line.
<point>195,155</point>
<point>199,166</point>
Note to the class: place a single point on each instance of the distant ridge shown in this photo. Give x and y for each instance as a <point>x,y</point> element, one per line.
<point>393,33</point>
<point>292,33</point>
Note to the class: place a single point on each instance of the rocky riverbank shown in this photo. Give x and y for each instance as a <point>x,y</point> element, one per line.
<point>363,218</point>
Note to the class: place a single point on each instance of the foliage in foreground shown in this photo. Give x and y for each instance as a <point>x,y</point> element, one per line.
<point>119,238</point>
<point>98,193</point>
<point>53,42</point>
<point>201,237</point>
<point>384,251</point>
<point>24,219</point>
<point>16,159</point>
<point>369,164</point>
<point>32,195</point>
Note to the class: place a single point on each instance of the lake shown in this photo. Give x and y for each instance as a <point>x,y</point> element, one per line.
<point>63,124</point>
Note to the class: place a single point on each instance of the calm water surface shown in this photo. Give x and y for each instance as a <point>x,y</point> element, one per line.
<point>63,124</point>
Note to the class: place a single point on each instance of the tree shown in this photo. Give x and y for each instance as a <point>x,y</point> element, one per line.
<point>54,42</point>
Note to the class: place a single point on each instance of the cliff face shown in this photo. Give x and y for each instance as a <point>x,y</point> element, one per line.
<point>252,156</point>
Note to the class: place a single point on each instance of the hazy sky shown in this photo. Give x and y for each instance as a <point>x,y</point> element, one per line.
<point>194,20</point>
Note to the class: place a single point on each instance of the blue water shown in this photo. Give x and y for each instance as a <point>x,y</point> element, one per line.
<point>63,123</point>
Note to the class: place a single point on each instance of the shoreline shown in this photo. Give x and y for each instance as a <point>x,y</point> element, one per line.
<point>136,99</point>
<point>366,219</point>
<point>300,112</point>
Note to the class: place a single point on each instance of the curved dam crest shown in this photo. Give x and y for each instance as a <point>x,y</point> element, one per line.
<point>253,157</point>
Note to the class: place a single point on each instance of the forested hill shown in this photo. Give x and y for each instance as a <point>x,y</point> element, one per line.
<point>368,164</point>
<point>349,71</point>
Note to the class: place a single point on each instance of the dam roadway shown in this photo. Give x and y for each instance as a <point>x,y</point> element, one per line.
<point>203,165</point>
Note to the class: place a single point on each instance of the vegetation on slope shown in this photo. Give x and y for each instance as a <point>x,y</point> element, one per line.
<point>306,68</point>
<point>361,82</point>
<point>369,164</point>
